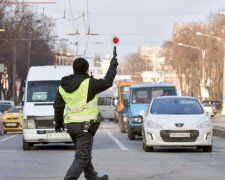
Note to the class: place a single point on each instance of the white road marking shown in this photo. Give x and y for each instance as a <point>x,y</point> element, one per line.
<point>116,140</point>
<point>5,139</point>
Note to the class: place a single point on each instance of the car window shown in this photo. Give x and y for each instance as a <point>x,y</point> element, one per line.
<point>176,106</point>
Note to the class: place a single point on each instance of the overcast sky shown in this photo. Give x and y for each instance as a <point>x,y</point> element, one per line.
<point>136,22</point>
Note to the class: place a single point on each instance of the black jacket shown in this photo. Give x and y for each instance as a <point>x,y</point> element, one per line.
<point>72,82</point>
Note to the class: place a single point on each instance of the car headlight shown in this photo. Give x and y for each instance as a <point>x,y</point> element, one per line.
<point>152,124</point>
<point>31,124</point>
<point>205,124</point>
<point>136,119</point>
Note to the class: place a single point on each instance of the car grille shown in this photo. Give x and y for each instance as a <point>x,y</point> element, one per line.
<point>11,125</point>
<point>46,124</point>
<point>12,118</point>
<point>165,135</point>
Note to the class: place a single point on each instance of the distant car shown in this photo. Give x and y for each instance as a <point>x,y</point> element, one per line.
<point>4,107</point>
<point>106,105</point>
<point>216,105</point>
<point>1,125</point>
<point>10,102</point>
<point>177,121</point>
<point>13,119</point>
<point>209,110</point>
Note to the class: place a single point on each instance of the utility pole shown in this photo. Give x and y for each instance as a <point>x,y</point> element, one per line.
<point>28,53</point>
<point>14,72</point>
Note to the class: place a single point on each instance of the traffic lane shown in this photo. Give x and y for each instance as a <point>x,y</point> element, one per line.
<point>112,129</point>
<point>47,164</point>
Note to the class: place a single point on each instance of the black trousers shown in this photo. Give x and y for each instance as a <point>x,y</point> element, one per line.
<point>83,156</point>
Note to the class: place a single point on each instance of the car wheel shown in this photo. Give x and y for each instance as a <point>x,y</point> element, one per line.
<point>4,132</point>
<point>147,148</point>
<point>1,132</point>
<point>131,134</point>
<point>207,148</point>
<point>26,145</point>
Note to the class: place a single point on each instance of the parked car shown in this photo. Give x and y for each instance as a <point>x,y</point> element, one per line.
<point>13,119</point>
<point>216,105</point>
<point>177,121</point>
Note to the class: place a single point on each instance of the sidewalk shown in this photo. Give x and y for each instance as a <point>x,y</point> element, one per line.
<point>219,125</point>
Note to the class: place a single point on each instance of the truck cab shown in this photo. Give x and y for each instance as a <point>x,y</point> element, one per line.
<point>138,103</point>
<point>121,113</point>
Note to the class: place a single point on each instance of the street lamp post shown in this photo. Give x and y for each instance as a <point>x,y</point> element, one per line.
<point>223,41</point>
<point>203,51</point>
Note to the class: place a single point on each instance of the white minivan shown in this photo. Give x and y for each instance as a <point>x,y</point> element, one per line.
<point>106,104</point>
<point>38,112</point>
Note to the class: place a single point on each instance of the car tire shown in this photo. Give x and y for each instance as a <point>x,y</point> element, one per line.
<point>1,132</point>
<point>26,145</point>
<point>207,148</point>
<point>4,132</point>
<point>131,134</point>
<point>147,148</point>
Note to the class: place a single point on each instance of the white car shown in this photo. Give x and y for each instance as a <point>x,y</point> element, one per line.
<point>177,121</point>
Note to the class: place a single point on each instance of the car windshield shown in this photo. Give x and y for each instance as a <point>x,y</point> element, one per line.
<point>4,107</point>
<point>42,91</point>
<point>145,94</point>
<point>176,106</point>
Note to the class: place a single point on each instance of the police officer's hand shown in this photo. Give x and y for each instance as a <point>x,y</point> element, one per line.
<point>59,127</point>
<point>114,59</point>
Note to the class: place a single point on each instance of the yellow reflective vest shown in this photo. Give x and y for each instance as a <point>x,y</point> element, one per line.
<point>77,109</point>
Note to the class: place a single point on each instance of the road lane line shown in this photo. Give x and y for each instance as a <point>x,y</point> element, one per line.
<point>2,140</point>
<point>116,140</point>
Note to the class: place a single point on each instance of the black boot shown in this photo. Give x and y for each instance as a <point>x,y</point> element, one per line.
<point>104,177</point>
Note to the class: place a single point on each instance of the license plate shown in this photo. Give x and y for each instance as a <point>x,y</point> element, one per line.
<point>56,135</point>
<point>174,135</point>
<point>10,124</point>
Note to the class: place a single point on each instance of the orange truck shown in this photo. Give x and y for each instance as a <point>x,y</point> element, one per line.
<point>123,93</point>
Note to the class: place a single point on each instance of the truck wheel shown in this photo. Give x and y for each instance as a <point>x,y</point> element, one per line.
<point>26,145</point>
<point>131,134</point>
<point>121,126</point>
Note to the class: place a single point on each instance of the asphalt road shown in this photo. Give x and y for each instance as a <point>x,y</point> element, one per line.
<point>114,154</point>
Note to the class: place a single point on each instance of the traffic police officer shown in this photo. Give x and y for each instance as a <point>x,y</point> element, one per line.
<point>77,96</point>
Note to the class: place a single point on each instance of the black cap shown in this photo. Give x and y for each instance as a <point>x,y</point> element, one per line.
<point>80,65</point>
